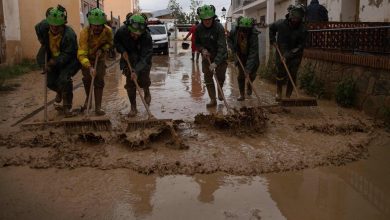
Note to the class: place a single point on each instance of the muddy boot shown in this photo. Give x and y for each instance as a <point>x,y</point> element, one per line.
<point>98,101</point>
<point>242,96</point>
<point>58,98</point>
<point>147,96</point>
<point>133,112</point>
<point>192,58</point>
<point>289,90</point>
<point>279,89</point>
<point>220,97</point>
<point>213,100</point>
<point>67,97</point>
<point>249,89</point>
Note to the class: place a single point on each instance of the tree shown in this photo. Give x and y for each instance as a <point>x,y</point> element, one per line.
<point>193,15</point>
<point>177,11</point>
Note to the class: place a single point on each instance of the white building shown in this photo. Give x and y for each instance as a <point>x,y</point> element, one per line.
<point>267,11</point>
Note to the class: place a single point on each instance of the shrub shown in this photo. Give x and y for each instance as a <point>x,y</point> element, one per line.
<point>309,82</point>
<point>346,92</point>
<point>9,72</point>
<point>268,71</point>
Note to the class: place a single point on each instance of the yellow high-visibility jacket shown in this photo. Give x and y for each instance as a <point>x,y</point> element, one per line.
<point>90,43</point>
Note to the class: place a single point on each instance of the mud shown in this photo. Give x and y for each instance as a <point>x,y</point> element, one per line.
<point>243,121</point>
<point>250,142</point>
<point>334,129</point>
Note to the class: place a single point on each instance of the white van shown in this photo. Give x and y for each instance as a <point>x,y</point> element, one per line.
<point>160,35</point>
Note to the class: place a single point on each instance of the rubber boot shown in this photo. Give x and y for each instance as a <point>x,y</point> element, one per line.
<point>192,58</point>
<point>98,101</point>
<point>132,98</point>
<point>220,97</point>
<point>147,96</point>
<point>279,89</point>
<point>58,98</point>
<point>242,96</point>
<point>213,100</point>
<point>248,89</point>
<point>133,112</point>
<point>86,89</point>
<point>289,90</point>
<point>241,87</point>
<point>67,98</point>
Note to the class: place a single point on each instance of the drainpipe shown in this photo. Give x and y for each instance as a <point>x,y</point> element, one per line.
<point>269,20</point>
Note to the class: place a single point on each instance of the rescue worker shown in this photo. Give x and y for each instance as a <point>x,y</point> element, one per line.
<point>59,45</point>
<point>210,40</point>
<point>95,40</point>
<point>316,12</point>
<point>193,48</point>
<point>134,42</point>
<point>243,41</point>
<point>291,36</point>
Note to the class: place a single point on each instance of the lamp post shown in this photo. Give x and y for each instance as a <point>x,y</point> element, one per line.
<point>224,18</point>
<point>223,12</point>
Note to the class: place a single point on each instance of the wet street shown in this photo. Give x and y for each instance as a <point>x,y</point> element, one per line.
<point>322,162</point>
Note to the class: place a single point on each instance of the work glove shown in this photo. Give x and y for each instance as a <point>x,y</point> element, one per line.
<point>125,56</point>
<point>133,75</point>
<point>295,50</point>
<point>185,38</point>
<point>205,53</point>
<point>92,71</point>
<point>212,67</point>
<point>288,55</point>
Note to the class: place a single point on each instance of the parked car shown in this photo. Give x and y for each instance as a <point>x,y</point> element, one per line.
<point>160,36</point>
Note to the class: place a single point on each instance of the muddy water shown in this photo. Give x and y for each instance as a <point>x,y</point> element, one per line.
<point>104,185</point>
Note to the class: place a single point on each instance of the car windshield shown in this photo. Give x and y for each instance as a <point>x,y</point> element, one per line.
<point>157,29</point>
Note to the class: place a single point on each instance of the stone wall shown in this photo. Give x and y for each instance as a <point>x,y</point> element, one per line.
<point>372,85</point>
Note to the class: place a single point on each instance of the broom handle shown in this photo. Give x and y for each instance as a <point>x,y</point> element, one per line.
<point>139,90</point>
<point>288,71</point>
<point>219,88</point>
<point>45,90</point>
<point>91,88</point>
<point>248,79</point>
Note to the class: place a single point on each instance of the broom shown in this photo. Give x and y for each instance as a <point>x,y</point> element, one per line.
<point>298,101</point>
<point>230,110</point>
<point>88,123</point>
<point>151,121</point>
<point>248,79</point>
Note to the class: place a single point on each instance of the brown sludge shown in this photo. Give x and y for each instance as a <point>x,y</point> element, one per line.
<point>245,120</point>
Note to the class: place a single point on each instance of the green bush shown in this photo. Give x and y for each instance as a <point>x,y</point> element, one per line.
<point>309,82</point>
<point>9,72</point>
<point>346,92</point>
<point>268,71</point>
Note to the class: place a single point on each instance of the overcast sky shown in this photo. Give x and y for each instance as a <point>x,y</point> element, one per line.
<point>153,5</point>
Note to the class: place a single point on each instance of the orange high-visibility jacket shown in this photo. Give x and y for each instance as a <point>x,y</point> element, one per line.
<point>90,43</point>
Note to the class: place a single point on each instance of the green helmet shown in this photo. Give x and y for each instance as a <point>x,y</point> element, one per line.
<point>206,12</point>
<point>136,23</point>
<point>245,22</point>
<point>96,17</point>
<point>297,11</point>
<point>56,17</point>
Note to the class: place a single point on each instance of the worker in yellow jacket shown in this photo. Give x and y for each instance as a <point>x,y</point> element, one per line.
<point>95,41</point>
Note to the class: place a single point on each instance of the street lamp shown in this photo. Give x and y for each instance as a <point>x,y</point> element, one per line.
<point>223,12</point>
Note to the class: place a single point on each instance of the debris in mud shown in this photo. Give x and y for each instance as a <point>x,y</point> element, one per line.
<point>32,140</point>
<point>91,137</point>
<point>245,121</point>
<point>334,129</point>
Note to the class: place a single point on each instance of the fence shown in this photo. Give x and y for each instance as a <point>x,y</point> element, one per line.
<point>360,43</point>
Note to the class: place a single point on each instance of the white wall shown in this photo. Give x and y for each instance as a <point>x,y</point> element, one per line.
<point>374,13</point>
<point>11,20</point>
